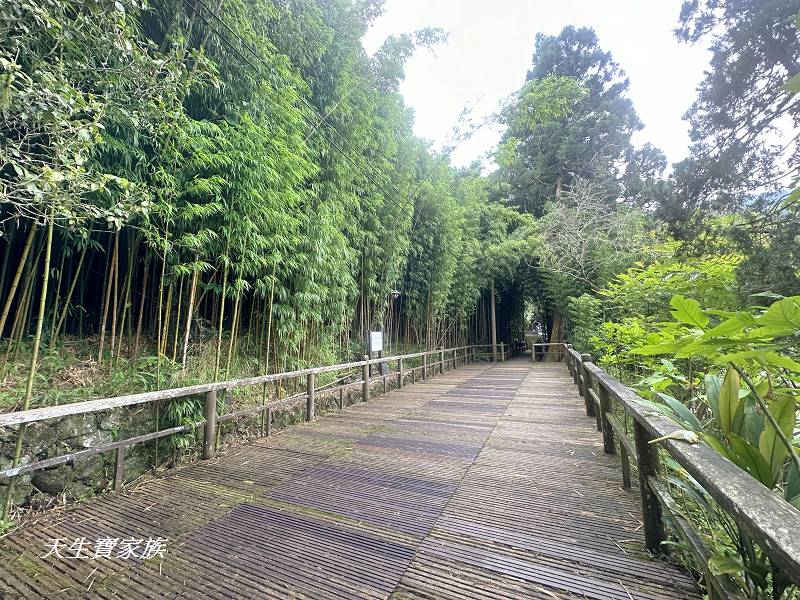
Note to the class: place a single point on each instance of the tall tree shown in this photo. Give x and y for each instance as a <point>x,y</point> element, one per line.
<point>591,140</point>
<point>745,131</point>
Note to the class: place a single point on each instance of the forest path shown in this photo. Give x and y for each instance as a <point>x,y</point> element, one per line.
<point>488,481</point>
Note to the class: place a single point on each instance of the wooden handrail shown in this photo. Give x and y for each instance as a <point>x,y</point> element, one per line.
<point>211,419</point>
<point>772,522</point>
<point>91,406</point>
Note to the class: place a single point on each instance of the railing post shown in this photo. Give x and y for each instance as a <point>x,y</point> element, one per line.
<point>648,463</point>
<point>365,384</point>
<point>119,468</point>
<point>502,352</point>
<point>424,366</point>
<point>587,383</point>
<point>605,407</point>
<point>579,375</point>
<point>310,393</point>
<point>574,363</point>
<point>441,361</point>
<point>399,373</point>
<point>210,429</point>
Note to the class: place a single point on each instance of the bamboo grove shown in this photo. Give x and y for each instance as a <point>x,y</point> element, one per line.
<point>198,194</point>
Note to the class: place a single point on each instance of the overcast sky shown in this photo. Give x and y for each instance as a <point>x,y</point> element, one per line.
<point>490,48</point>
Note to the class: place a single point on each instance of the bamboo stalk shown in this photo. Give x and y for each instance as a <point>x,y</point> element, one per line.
<point>221,320</point>
<point>236,305</point>
<point>57,329</point>
<point>141,307</point>
<point>17,275</point>
<point>177,322</point>
<point>106,302</point>
<point>189,312</point>
<point>115,308</point>
<point>34,359</point>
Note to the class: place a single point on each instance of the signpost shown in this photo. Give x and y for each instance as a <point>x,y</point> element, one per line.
<point>375,344</point>
<point>375,341</point>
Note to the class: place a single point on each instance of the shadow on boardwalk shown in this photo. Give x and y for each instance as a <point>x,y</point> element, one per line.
<point>485,482</point>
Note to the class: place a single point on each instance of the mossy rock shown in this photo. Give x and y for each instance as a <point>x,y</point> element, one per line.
<point>138,461</point>
<point>74,426</point>
<point>40,439</point>
<point>53,481</point>
<point>93,439</point>
<point>22,489</point>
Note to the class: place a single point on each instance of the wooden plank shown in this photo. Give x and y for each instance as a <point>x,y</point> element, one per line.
<point>474,484</point>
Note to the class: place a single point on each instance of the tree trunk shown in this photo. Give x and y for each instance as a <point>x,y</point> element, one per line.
<point>556,337</point>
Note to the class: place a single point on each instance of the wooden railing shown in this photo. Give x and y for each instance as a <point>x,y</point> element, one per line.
<point>770,521</point>
<point>430,361</point>
<point>500,352</point>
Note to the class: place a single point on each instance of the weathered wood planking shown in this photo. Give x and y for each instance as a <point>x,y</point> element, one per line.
<point>485,482</point>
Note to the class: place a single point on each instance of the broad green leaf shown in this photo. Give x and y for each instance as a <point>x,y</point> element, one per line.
<point>748,457</point>
<point>653,349</point>
<point>685,415</point>
<point>713,385</point>
<point>763,357</point>
<point>792,490</point>
<point>716,445</point>
<point>784,412</point>
<point>728,400</point>
<point>687,310</point>
<point>734,324</point>
<point>720,564</point>
<point>783,316</point>
<point>752,421</point>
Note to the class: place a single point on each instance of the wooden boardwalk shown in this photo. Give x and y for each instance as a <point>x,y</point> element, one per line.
<point>486,482</point>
